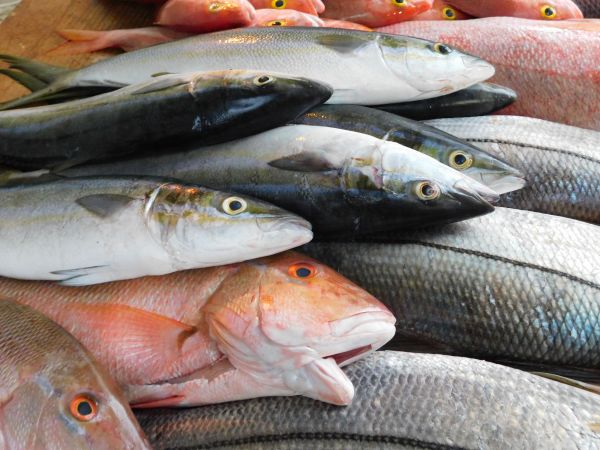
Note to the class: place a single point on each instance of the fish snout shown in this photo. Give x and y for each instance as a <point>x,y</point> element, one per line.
<point>287,228</point>
<point>472,201</point>
<point>504,182</point>
<point>478,69</point>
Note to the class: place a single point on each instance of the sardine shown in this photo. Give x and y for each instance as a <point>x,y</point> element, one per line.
<point>54,394</point>
<point>561,163</point>
<point>512,286</point>
<point>447,149</point>
<point>94,230</point>
<point>362,67</point>
<point>207,108</point>
<point>274,326</point>
<point>403,401</point>
<point>346,184</point>
<point>477,100</point>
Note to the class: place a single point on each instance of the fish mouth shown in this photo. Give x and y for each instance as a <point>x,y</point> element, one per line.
<point>503,184</point>
<point>473,191</point>
<point>478,69</point>
<point>344,358</point>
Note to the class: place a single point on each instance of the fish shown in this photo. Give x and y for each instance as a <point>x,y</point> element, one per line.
<point>529,57</point>
<point>204,16</point>
<point>54,393</point>
<point>514,286</point>
<point>208,108</point>
<point>486,168</point>
<point>100,229</point>
<point>396,68</point>
<point>331,23</point>
<point>590,8</point>
<point>375,13</point>
<point>478,100</point>
<point>312,7</point>
<point>280,325</point>
<point>527,9</point>
<point>561,163</point>
<point>346,184</point>
<point>403,400</point>
<point>285,18</point>
<point>441,10</point>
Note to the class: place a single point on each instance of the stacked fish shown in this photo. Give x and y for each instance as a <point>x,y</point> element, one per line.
<point>150,208</point>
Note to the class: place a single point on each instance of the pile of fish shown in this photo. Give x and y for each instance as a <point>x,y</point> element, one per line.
<point>148,210</point>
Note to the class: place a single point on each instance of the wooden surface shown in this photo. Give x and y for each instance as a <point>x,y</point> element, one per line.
<point>30,31</point>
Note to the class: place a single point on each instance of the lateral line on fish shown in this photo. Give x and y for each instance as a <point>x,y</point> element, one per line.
<point>396,440</point>
<point>535,147</point>
<point>504,260</point>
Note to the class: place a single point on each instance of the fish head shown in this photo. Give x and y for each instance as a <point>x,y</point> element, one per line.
<point>305,6</point>
<point>285,18</point>
<point>553,10</point>
<point>209,228</point>
<point>432,68</point>
<point>388,12</point>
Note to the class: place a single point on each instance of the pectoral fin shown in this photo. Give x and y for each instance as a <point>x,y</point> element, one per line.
<point>303,162</point>
<point>105,205</point>
<point>344,43</point>
<point>83,276</point>
<point>162,82</point>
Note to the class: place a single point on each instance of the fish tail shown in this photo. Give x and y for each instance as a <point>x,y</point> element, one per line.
<point>81,41</point>
<point>24,79</point>
<point>42,71</point>
<point>43,95</point>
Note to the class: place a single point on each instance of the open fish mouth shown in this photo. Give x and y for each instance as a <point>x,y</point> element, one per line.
<point>351,355</point>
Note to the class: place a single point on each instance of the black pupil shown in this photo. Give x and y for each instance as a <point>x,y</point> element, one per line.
<point>460,159</point>
<point>235,205</point>
<point>279,3</point>
<point>548,11</point>
<point>84,408</point>
<point>444,50</point>
<point>302,272</point>
<point>427,190</point>
<point>265,78</point>
<point>276,23</point>
<point>449,13</point>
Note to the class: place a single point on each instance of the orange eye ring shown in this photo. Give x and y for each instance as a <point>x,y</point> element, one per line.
<point>302,271</point>
<point>83,408</point>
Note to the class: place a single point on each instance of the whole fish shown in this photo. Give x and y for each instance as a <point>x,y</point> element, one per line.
<point>561,163</point>
<point>527,9</point>
<point>447,149</point>
<point>312,7</point>
<point>403,401</point>
<point>375,13</point>
<point>207,108</point>
<point>274,326</point>
<point>332,23</point>
<point>477,100</point>
<point>530,57</point>
<point>346,184</point>
<point>364,68</point>
<point>590,8</point>
<point>285,18</point>
<point>514,286</point>
<point>94,230</point>
<point>54,394</point>
<point>441,10</point>
<point>203,16</point>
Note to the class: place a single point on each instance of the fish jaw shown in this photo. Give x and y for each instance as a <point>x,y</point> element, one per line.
<point>503,183</point>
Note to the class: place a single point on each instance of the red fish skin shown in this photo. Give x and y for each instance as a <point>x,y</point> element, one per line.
<point>442,10</point>
<point>527,9</point>
<point>375,13</point>
<point>332,23</point>
<point>285,18</point>
<point>552,65</point>
<point>305,6</point>
<point>204,16</point>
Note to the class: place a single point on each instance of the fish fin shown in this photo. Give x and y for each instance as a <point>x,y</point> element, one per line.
<point>169,402</point>
<point>43,95</point>
<point>81,41</point>
<point>44,72</point>
<point>12,177</point>
<point>344,43</point>
<point>160,74</point>
<point>82,276</point>
<point>570,382</point>
<point>104,205</point>
<point>24,79</point>
<point>303,162</point>
<point>160,83</point>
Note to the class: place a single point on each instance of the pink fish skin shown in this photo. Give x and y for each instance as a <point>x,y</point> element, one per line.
<point>84,41</point>
<point>280,325</point>
<point>285,18</point>
<point>527,9</point>
<point>441,10</point>
<point>203,16</point>
<point>332,23</point>
<point>312,7</point>
<point>552,65</point>
<point>375,13</point>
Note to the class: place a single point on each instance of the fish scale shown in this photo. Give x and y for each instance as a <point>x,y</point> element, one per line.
<point>590,8</point>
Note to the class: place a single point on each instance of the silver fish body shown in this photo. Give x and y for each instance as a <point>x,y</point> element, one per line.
<point>402,401</point>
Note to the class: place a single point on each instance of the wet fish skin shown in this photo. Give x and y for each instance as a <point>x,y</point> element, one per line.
<point>561,163</point>
<point>375,13</point>
<point>345,183</point>
<point>445,148</point>
<point>478,100</point>
<point>43,370</point>
<point>403,400</point>
<point>512,286</point>
<point>528,9</point>
<point>99,229</point>
<point>590,8</point>
<point>207,108</point>
<point>441,10</point>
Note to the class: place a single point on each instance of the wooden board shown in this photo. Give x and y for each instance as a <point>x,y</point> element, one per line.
<point>30,31</point>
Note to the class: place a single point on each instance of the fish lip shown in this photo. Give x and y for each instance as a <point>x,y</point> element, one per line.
<point>506,184</point>
<point>342,358</point>
<point>478,67</point>
<point>349,325</point>
<point>473,191</point>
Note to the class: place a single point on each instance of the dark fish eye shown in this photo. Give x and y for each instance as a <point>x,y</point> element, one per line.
<point>460,160</point>
<point>278,4</point>
<point>449,13</point>
<point>548,12</point>
<point>83,408</point>
<point>400,2</point>
<point>442,49</point>
<point>234,205</point>
<point>426,190</point>
<point>275,23</point>
<point>302,270</point>
<point>263,79</point>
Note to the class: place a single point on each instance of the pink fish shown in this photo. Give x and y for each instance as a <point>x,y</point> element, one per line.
<point>552,65</point>
<point>203,16</point>
<point>441,10</point>
<point>527,9</point>
<point>375,13</point>
<point>312,7</point>
<point>332,23</point>
<point>285,18</point>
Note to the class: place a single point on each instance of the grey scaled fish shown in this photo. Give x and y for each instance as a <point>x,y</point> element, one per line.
<point>561,163</point>
<point>54,394</point>
<point>402,401</point>
<point>209,108</point>
<point>513,286</point>
<point>346,184</point>
<point>447,149</point>
<point>477,100</point>
<point>589,8</point>
<point>362,67</point>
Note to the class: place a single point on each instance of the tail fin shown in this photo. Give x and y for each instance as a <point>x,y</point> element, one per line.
<point>81,41</point>
<point>44,72</point>
<point>30,82</point>
<point>43,95</point>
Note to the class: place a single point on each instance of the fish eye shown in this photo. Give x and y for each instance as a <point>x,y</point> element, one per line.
<point>302,270</point>
<point>83,408</point>
<point>279,4</point>
<point>234,205</point>
<point>400,3</point>
<point>460,160</point>
<point>442,49</point>
<point>215,7</point>
<point>548,12</point>
<point>426,190</point>
<point>449,13</point>
<point>261,80</point>
<point>276,23</point>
